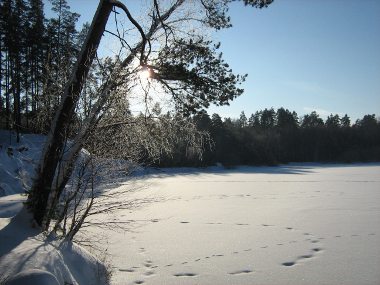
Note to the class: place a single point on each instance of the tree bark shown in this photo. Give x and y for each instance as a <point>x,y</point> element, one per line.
<point>53,150</point>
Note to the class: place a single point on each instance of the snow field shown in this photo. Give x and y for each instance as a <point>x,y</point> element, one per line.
<point>294,224</point>
<point>297,224</point>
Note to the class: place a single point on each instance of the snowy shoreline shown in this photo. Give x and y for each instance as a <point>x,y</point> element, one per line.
<point>299,223</point>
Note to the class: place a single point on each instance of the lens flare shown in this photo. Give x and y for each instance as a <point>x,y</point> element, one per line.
<point>145,73</point>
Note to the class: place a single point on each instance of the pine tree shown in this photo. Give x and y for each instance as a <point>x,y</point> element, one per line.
<point>345,121</point>
<point>6,34</point>
<point>2,60</point>
<point>267,119</point>
<point>333,121</point>
<point>254,120</point>
<point>13,41</point>
<point>36,45</point>
<point>243,120</point>
<point>311,120</point>
<point>286,119</point>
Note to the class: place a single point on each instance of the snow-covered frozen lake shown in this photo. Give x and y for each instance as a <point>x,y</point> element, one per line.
<point>295,224</point>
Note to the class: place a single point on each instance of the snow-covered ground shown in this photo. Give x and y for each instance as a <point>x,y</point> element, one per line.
<point>293,224</point>
<point>296,224</point>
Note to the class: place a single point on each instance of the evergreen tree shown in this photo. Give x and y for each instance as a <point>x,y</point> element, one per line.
<point>13,57</point>
<point>267,119</point>
<point>333,121</point>
<point>216,122</point>
<point>311,120</point>
<point>2,60</point>
<point>345,121</point>
<point>62,48</point>
<point>202,120</point>
<point>5,37</point>
<point>254,120</point>
<point>36,49</point>
<point>242,122</point>
<point>286,119</point>
<point>368,121</point>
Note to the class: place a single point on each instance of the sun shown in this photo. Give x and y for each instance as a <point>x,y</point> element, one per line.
<point>145,73</point>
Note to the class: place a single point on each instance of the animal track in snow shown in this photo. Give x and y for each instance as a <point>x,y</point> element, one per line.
<point>302,257</point>
<point>317,249</point>
<point>306,256</point>
<point>309,237</point>
<point>148,263</point>
<point>149,273</point>
<point>126,270</point>
<point>244,271</point>
<point>290,263</point>
<point>185,274</point>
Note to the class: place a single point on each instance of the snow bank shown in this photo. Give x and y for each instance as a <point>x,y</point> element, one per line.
<point>26,255</point>
<point>33,277</point>
<point>18,161</point>
<point>29,257</point>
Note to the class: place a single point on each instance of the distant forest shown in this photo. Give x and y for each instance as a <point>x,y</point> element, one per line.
<point>36,57</point>
<point>270,137</point>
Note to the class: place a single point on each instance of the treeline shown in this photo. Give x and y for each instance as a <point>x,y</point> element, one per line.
<point>36,56</point>
<point>270,137</point>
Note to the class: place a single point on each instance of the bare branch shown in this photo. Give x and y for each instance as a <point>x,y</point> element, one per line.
<point>137,25</point>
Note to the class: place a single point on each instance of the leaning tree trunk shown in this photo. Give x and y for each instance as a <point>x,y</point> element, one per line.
<point>54,147</point>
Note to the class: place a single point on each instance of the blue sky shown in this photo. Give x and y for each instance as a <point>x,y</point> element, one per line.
<point>307,55</point>
<point>303,55</point>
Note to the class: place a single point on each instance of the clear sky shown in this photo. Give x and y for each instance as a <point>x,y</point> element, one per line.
<point>303,55</point>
